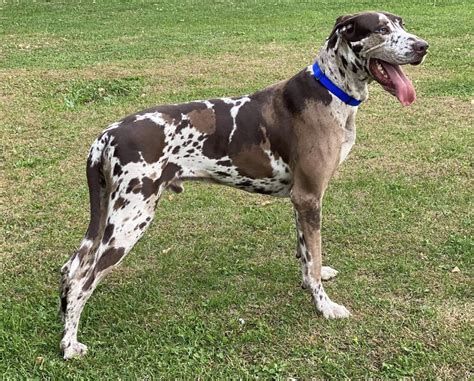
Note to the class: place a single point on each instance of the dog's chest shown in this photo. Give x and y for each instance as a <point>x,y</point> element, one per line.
<point>349,137</point>
<point>346,120</point>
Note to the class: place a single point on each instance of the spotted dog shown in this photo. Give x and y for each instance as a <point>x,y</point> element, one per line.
<point>285,140</point>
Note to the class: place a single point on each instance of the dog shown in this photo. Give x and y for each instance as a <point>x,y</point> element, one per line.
<point>285,140</point>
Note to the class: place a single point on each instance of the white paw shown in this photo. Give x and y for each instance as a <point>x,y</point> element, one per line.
<point>331,310</point>
<point>73,350</point>
<point>328,272</point>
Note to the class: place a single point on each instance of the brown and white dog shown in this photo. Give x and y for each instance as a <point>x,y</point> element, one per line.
<point>285,140</point>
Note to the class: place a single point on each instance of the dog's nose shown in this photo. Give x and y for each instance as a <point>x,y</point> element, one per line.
<point>420,46</point>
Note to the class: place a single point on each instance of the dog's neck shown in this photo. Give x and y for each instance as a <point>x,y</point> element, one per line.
<point>344,68</point>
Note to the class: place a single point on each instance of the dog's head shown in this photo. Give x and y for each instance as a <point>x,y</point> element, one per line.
<point>381,42</point>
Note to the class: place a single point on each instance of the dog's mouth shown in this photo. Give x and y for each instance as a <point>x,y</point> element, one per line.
<point>393,79</point>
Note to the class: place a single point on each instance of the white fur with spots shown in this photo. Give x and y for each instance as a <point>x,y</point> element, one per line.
<point>195,165</point>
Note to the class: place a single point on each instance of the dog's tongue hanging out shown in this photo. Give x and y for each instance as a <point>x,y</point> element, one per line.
<point>404,89</point>
<point>394,80</point>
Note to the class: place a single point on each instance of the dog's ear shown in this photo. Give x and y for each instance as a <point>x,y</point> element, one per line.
<point>344,26</point>
<point>340,19</point>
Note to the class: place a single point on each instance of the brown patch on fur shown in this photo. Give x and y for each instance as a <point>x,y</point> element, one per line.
<point>169,172</point>
<point>135,137</point>
<point>119,203</point>
<point>149,187</point>
<point>301,89</point>
<point>203,120</point>
<point>109,229</point>
<point>268,113</point>
<point>83,250</point>
<point>253,162</point>
<point>278,123</point>
<point>313,217</point>
<point>109,257</point>
<point>89,282</point>
<point>168,175</point>
<point>133,186</point>
<point>268,107</point>
<point>217,145</point>
<point>167,118</point>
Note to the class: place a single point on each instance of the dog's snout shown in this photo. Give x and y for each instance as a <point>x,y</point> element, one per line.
<point>420,46</point>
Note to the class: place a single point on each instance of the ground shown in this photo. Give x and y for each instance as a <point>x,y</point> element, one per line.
<point>213,290</point>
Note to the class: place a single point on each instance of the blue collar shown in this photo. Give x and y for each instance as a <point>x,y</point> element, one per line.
<point>327,83</point>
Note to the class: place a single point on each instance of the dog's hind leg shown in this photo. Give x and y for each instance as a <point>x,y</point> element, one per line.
<point>82,259</point>
<point>121,216</point>
<point>71,272</point>
<point>126,221</point>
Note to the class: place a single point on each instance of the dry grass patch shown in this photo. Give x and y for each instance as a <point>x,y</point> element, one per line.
<point>453,314</point>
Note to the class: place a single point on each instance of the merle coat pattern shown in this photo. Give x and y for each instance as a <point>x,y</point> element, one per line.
<point>285,140</point>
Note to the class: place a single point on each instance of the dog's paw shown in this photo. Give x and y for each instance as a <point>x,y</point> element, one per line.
<point>328,273</point>
<point>73,350</point>
<point>331,310</point>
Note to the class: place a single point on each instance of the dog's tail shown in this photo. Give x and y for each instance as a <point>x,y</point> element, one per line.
<point>96,172</point>
<point>96,182</point>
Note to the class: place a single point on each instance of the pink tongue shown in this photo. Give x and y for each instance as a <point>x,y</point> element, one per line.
<point>403,87</point>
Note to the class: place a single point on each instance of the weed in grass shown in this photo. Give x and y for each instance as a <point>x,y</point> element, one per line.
<point>84,92</point>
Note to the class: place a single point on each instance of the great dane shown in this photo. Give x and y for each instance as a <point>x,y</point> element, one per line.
<point>285,140</point>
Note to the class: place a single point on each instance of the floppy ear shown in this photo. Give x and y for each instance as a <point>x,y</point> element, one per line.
<point>344,25</point>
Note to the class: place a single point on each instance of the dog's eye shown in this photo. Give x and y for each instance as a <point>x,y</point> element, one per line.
<point>382,30</point>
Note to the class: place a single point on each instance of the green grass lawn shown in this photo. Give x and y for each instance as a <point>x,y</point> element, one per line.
<point>213,290</point>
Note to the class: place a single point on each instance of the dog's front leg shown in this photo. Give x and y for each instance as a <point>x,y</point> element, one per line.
<point>327,272</point>
<point>308,224</point>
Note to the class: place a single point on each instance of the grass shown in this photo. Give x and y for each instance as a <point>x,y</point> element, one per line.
<point>213,289</point>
